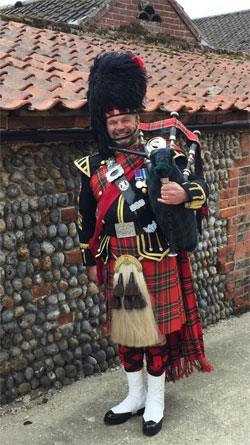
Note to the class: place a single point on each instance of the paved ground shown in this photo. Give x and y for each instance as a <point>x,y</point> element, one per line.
<point>208,409</point>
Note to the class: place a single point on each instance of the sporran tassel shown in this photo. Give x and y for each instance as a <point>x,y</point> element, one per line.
<point>133,299</point>
<point>116,301</point>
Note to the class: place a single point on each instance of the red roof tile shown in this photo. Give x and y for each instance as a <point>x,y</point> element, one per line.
<point>43,68</point>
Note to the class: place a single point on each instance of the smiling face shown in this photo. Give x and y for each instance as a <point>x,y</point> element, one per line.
<point>123,129</point>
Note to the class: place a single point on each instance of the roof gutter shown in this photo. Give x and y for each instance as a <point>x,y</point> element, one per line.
<point>43,135</point>
<point>223,126</point>
<point>39,136</point>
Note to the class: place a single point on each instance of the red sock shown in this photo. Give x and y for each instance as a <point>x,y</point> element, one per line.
<point>131,358</point>
<point>156,357</point>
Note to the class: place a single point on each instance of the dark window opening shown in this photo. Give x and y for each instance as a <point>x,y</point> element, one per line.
<point>147,12</point>
<point>144,16</point>
<point>156,18</point>
<point>149,9</point>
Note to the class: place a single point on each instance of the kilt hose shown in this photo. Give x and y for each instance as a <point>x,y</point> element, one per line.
<point>174,305</point>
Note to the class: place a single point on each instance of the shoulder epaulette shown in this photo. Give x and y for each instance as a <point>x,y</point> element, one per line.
<point>83,165</point>
<point>88,164</point>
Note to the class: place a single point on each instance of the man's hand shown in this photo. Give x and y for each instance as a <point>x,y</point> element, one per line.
<point>172,193</point>
<point>92,273</point>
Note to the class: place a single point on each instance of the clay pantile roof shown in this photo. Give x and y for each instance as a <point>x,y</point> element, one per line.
<point>227,31</point>
<point>68,11</point>
<point>41,69</point>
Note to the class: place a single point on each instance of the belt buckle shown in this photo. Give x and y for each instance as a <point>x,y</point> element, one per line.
<point>125,230</point>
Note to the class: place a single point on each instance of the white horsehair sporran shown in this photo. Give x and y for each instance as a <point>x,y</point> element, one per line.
<point>133,326</point>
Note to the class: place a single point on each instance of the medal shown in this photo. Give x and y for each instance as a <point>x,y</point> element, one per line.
<point>140,178</point>
<point>139,184</point>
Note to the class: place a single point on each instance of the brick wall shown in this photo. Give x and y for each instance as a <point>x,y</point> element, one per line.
<point>123,13</point>
<point>234,259</point>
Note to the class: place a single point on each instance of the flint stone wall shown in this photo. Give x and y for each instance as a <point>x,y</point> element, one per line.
<point>51,313</point>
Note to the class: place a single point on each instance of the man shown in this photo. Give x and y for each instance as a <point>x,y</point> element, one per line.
<point>151,307</point>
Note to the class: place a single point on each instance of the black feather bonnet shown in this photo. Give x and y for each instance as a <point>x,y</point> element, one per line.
<point>117,81</point>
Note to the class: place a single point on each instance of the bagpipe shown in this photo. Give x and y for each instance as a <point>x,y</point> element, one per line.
<point>177,222</point>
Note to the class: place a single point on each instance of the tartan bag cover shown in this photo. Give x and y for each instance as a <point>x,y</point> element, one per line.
<point>177,219</point>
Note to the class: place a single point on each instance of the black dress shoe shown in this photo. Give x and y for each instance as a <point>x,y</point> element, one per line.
<point>111,418</point>
<point>151,428</point>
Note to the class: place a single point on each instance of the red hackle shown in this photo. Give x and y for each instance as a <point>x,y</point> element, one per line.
<point>139,61</point>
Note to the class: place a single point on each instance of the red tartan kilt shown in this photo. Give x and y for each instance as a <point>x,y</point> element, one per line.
<point>164,278</point>
<point>163,282</point>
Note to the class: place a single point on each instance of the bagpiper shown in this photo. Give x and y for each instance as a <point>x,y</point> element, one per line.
<point>151,306</point>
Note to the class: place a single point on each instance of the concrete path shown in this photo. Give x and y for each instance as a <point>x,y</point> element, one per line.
<point>208,409</point>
